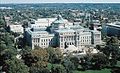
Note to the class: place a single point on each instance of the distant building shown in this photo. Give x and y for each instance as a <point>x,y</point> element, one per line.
<point>111,29</point>
<point>63,34</point>
<point>42,22</point>
<point>16,28</point>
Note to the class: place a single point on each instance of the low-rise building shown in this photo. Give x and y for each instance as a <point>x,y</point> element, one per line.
<point>42,22</point>
<point>16,28</point>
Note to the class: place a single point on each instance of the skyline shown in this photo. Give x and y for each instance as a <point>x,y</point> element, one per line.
<point>57,1</point>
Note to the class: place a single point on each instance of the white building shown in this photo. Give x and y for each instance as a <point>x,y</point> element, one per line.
<point>61,33</point>
<point>45,22</point>
<point>16,28</point>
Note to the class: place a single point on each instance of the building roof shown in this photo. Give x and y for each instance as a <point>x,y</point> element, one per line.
<point>115,24</point>
<point>65,30</point>
<point>76,27</point>
<point>39,33</point>
<point>44,21</point>
<point>39,28</point>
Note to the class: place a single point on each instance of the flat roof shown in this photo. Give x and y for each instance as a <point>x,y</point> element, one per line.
<point>65,30</point>
<point>115,24</point>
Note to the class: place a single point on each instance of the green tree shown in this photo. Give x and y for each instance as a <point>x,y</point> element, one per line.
<point>25,50</point>
<point>112,50</point>
<point>35,56</point>
<point>75,60</point>
<point>15,66</point>
<point>40,54</point>
<point>86,62</point>
<point>7,54</point>
<point>69,66</point>
<point>2,22</point>
<point>39,67</point>
<point>8,39</point>
<point>58,69</point>
<point>55,55</point>
<point>100,61</point>
<point>2,46</point>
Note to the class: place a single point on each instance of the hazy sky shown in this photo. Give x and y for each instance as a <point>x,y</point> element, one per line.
<point>59,1</point>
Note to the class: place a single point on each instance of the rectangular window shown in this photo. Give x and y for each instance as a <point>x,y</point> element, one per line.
<point>41,40</point>
<point>38,40</point>
<point>61,39</point>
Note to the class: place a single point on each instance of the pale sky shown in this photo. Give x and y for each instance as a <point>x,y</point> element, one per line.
<point>59,1</point>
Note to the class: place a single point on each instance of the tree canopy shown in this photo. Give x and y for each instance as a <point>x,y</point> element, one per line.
<point>15,66</point>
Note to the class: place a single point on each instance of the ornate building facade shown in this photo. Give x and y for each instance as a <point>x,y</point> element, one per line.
<point>61,33</point>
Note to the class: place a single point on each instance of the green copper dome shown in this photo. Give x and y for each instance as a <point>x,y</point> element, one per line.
<point>59,20</point>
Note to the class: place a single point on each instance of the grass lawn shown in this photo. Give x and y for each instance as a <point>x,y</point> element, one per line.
<point>94,71</point>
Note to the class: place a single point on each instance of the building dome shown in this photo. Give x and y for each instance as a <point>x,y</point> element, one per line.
<point>59,20</point>
<point>59,23</point>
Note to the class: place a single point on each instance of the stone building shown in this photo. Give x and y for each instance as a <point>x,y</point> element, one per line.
<point>61,33</point>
